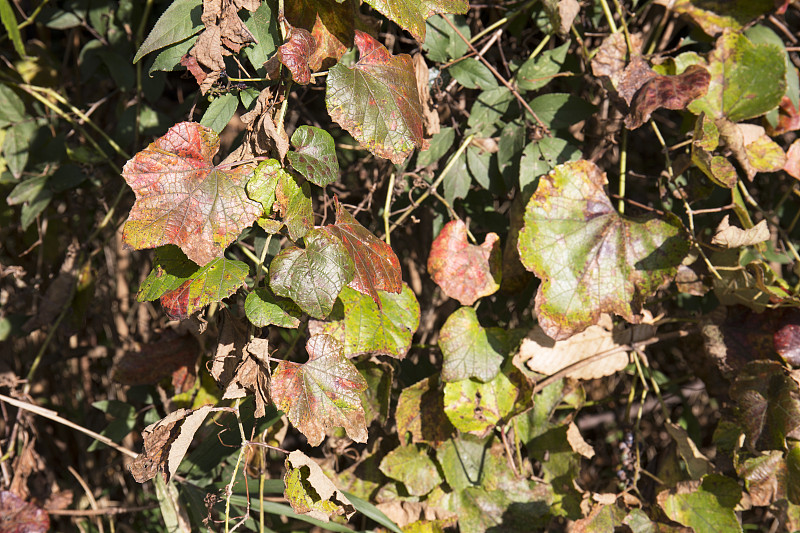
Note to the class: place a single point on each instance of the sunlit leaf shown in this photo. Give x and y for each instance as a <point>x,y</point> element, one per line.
<point>464,271</point>
<point>295,54</point>
<point>476,407</point>
<point>330,22</point>
<point>210,283</point>
<point>173,26</point>
<point>716,17</point>
<point>412,466</point>
<point>670,92</point>
<point>411,15</point>
<point>182,198</point>
<point>591,259</point>
<point>708,508</point>
<point>314,155</point>
<point>538,71</point>
<point>311,492</point>
<point>293,202</point>
<point>376,265</point>
<point>265,309</point>
<point>322,393</point>
<point>377,100</point>
<point>312,276</point>
<point>363,327</point>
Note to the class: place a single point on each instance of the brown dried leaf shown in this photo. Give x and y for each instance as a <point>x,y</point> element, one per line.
<point>635,75</point>
<point>788,118</point>
<point>331,23</point>
<point>230,352</point>
<point>610,59</point>
<point>233,33</point>
<point>19,516</point>
<point>429,114</point>
<point>166,442</point>
<point>296,53</point>
<point>311,492</point>
<point>577,443</point>
<point>190,62</point>
<point>671,92</point>
<point>154,361</point>
<point>729,236</point>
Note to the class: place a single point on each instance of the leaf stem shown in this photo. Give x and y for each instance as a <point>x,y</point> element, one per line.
<point>387,208</point>
<point>623,170</point>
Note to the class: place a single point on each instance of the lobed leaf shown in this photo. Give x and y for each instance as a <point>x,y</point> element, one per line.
<point>314,155</point>
<point>322,393</point>
<point>182,198</point>
<point>411,15</point>
<point>211,283</point>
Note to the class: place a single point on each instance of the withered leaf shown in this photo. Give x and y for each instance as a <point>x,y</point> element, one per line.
<point>296,53</point>
<point>671,92</point>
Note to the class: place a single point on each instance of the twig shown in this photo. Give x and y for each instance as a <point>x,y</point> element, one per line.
<point>499,77</point>
<point>107,511</point>
<point>52,415</point>
<point>89,496</point>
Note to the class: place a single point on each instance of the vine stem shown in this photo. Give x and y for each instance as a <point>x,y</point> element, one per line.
<point>387,208</point>
<point>609,16</point>
<point>500,78</point>
<point>623,170</point>
<point>445,171</point>
<point>229,487</point>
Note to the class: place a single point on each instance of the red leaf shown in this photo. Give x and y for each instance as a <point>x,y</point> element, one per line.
<point>182,198</point>
<point>464,271</point>
<point>787,338</point>
<point>671,92</point>
<point>376,265</point>
<point>322,393</point>
<point>788,118</point>
<point>331,24</point>
<point>19,516</point>
<point>295,54</point>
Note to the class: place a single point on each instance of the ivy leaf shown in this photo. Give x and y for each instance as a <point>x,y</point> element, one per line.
<point>311,492</point>
<point>377,100</point>
<point>263,309</point>
<point>411,15</point>
<point>464,271</point>
<point>747,80</point>
<point>182,198</point>
<point>322,393</point>
<point>315,157</point>
<point>293,202</point>
<point>363,327</point>
<point>469,350</point>
<point>211,283</point>
<point>376,265</point>
<point>312,276</point>
<point>295,54</point>
<point>412,466</point>
<point>592,260</point>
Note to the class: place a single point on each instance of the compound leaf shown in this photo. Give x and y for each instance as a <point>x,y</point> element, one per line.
<point>592,260</point>
<point>377,100</point>
<point>182,198</point>
<point>322,393</point>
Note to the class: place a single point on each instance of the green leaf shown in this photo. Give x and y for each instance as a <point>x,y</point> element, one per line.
<point>13,109</point>
<point>171,268</point>
<point>322,393</point>
<point>315,155</point>
<point>294,204</point>
<point>442,43</point>
<point>469,350</point>
<point>311,492</point>
<point>440,143</point>
<point>537,72</point>
<point>10,22</point>
<point>363,327</point>
<point>377,397</point>
<point>463,460</point>
<point>179,21</point>
<point>312,276</point>
<point>709,509</point>
<point>170,58</point>
<point>420,411</point>
<point>261,187</point>
<point>747,80</point>
<point>488,108</point>
<point>592,260</point>
<point>16,146</point>
<point>220,112</point>
<point>456,183</point>
<point>542,156</point>
<point>412,466</point>
<point>410,15</point>
<point>377,101</point>
<point>211,283</point>
<point>472,74</point>
<point>263,309</point>
<point>561,110</point>
<point>722,16</point>
<point>479,165</point>
<point>263,24</point>
<point>476,407</point>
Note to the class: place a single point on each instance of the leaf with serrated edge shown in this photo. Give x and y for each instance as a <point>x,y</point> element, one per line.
<point>262,309</point>
<point>171,268</point>
<point>377,101</point>
<point>182,198</point>
<point>476,407</point>
<point>322,393</point>
<point>411,15</point>
<point>315,155</point>
<point>312,276</point>
<point>469,350</point>
<point>366,328</point>
<point>309,491</point>
<point>420,411</point>
<point>592,260</point>
<point>211,283</point>
<point>376,265</point>
<point>179,21</point>
<point>412,466</point>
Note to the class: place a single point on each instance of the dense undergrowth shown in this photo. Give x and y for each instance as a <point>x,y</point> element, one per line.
<point>511,266</point>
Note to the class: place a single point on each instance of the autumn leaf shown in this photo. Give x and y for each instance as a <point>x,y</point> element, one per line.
<point>411,15</point>
<point>670,92</point>
<point>322,393</point>
<point>592,260</point>
<point>182,198</point>
<point>464,271</point>
<point>217,280</point>
<point>314,155</point>
<point>412,466</point>
<point>377,101</point>
<point>716,17</point>
<point>312,276</point>
<point>376,265</point>
<point>363,327</point>
<point>330,22</point>
<point>309,491</point>
<point>295,54</point>
<point>420,412</point>
<point>20,516</point>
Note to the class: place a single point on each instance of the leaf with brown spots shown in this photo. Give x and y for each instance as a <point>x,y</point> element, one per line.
<point>211,283</point>
<point>322,393</point>
<point>331,24</point>
<point>296,53</point>
<point>377,101</point>
<point>182,198</point>
<point>464,271</point>
<point>411,14</point>
<point>671,92</point>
